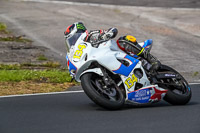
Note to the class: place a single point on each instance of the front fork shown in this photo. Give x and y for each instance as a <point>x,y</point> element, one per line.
<point>107,79</point>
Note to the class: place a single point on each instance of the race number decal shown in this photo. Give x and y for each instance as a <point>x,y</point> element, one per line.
<point>130,81</point>
<point>78,53</point>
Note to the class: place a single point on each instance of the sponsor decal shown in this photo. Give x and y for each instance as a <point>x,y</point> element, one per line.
<point>140,96</point>
<point>170,75</point>
<point>80,26</point>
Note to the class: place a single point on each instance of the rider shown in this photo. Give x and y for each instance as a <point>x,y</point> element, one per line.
<point>126,43</point>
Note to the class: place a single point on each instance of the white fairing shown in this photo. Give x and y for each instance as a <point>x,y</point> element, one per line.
<point>82,54</point>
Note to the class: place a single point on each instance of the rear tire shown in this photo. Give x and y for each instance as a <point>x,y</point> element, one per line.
<point>176,96</point>
<point>92,86</point>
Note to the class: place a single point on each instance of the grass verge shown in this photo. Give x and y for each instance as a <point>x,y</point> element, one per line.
<point>47,65</point>
<point>40,77</point>
<point>14,80</point>
<point>30,87</point>
<point>47,76</point>
<point>42,58</point>
<point>3,27</point>
<point>15,39</point>
<point>5,35</point>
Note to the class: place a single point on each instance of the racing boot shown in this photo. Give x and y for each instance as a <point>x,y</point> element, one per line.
<point>154,62</point>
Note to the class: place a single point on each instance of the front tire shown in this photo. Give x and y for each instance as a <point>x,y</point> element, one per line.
<point>110,98</point>
<point>176,95</point>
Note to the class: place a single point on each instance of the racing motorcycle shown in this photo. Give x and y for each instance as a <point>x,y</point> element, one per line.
<point>111,78</point>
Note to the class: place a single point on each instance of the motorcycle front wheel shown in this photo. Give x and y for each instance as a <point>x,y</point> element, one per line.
<point>108,97</point>
<point>179,91</point>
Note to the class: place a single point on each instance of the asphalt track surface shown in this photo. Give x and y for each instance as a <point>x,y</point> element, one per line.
<point>146,3</point>
<point>76,113</point>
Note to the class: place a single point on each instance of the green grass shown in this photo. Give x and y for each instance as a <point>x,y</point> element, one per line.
<point>4,31</point>
<point>3,26</point>
<point>195,74</point>
<point>42,58</point>
<point>9,67</point>
<point>15,39</point>
<point>47,76</point>
<point>15,73</point>
<point>49,64</point>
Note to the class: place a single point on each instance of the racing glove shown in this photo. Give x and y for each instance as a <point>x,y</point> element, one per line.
<point>109,34</point>
<point>98,36</point>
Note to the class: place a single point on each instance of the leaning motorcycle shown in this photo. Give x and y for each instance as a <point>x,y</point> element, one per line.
<point>111,78</point>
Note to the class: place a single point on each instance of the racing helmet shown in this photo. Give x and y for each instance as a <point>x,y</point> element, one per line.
<point>129,45</point>
<point>73,32</point>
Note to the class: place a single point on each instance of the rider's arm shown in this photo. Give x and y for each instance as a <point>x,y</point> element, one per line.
<point>96,36</point>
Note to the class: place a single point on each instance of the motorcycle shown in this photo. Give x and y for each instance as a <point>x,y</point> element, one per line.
<point>111,78</point>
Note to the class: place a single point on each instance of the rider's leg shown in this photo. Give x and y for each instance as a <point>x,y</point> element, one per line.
<point>152,60</point>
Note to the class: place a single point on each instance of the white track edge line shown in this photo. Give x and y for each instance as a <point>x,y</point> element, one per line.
<point>38,94</point>
<point>194,83</point>
<point>103,5</point>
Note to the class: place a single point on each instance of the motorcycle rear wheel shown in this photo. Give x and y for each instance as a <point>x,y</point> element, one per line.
<point>110,98</point>
<point>176,95</point>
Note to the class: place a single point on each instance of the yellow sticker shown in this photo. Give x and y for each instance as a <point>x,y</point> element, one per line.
<point>131,81</point>
<point>78,53</point>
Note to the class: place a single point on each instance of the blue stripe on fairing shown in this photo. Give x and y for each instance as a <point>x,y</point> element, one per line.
<point>67,58</point>
<point>124,70</point>
<point>71,66</point>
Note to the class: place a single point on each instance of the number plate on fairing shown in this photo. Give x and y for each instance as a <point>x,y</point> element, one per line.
<point>79,52</point>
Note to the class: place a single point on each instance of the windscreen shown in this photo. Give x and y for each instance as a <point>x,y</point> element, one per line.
<point>70,41</point>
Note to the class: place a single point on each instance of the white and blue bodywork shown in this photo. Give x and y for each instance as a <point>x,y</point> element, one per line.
<point>82,54</point>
